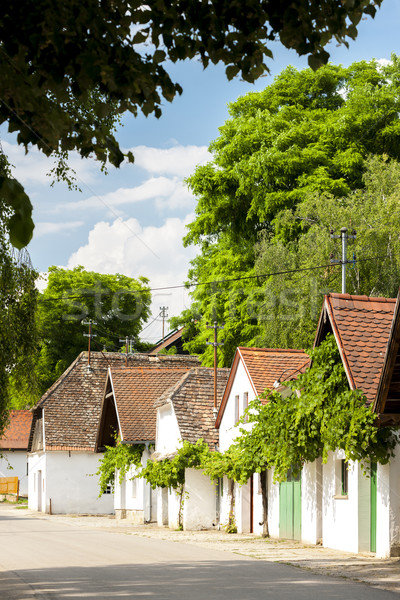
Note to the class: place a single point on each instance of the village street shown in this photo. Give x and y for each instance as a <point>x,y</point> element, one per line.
<point>61,558</point>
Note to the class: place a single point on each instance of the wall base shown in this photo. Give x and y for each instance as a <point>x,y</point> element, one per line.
<point>133,516</point>
<point>395,551</point>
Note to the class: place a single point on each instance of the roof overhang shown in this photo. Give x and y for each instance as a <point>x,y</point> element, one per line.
<point>327,315</point>
<point>237,359</point>
<point>391,353</point>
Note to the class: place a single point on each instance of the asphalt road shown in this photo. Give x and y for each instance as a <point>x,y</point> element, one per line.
<point>44,559</point>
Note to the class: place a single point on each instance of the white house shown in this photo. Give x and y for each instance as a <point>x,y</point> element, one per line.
<point>292,506</point>
<point>62,457</point>
<point>185,412</point>
<point>362,513</point>
<point>128,411</point>
<point>14,448</point>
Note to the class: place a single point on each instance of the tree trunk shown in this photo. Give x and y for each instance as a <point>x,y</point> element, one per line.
<point>231,519</point>
<point>264,492</point>
<point>180,493</point>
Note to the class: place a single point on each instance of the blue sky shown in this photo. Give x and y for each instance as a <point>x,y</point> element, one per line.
<point>132,220</point>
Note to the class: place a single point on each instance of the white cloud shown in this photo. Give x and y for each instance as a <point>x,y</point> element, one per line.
<point>35,166</point>
<point>167,193</point>
<point>45,228</point>
<point>178,160</point>
<point>384,62</point>
<point>153,252</point>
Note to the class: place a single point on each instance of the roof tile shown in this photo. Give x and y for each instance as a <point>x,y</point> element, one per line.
<point>363,326</point>
<point>16,435</point>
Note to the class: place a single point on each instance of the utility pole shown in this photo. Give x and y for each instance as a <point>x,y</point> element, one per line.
<point>164,315</point>
<point>344,236</point>
<point>128,347</point>
<point>215,343</point>
<point>89,335</point>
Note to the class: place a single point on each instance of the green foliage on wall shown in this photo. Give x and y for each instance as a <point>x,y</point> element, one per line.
<point>320,415</point>
<point>119,459</point>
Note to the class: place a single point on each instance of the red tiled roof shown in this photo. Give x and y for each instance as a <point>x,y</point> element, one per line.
<point>264,366</point>
<point>16,436</point>
<point>267,365</point>
<point>361,326</point>
<point>193,401</point>
<point>135,391</point>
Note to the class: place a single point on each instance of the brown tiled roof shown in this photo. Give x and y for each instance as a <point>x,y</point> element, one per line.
<point>16,436</point>
<point>193,401</point>
<point>72,405</point>
<point>361,326</point>
<point>264,366</point>
<point>135,392</point>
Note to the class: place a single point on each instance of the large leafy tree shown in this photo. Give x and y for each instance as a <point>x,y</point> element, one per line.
<point>119,305</point>
<point>284,161</point>
<point>18,297</point>
<point>67,66</point>
<point>291,303</point>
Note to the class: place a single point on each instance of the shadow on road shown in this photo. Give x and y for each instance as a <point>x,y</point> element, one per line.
<point>225,580</point>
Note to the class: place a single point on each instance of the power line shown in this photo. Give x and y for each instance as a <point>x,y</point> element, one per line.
<point>212,282</point>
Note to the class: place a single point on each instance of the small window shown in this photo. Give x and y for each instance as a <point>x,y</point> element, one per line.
<point>344,477</point>
<point>236,409</point>
<point>108,490</point>
<point>245,405</point>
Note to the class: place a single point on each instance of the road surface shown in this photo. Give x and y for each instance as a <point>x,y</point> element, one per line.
<point>44,559</point>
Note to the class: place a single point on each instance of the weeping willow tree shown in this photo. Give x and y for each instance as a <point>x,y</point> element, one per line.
<point>18,296</point>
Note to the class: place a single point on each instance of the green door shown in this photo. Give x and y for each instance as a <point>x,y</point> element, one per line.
<point>373,507</point>
<point>290,507</point>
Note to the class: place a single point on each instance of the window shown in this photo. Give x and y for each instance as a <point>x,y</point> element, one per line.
<point>108,490</point>
<point>236,409</point>
<point>245,404</point>
<point>344,477</point>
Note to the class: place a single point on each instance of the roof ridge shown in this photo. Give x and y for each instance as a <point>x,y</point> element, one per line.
<point>288,350</point>
<point>361,298</point>
<point>69,369</point>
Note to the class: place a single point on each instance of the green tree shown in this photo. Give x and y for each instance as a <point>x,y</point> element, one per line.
<point>67,66</point>
<point>307,135</point>
<point>118,304</point>
<point>18,296</point>
<point>290,308</point>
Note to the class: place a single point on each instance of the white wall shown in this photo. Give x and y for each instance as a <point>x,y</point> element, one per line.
<point>15,464</point>
<point>388,508</point>
<point>162,507</point>
<point>199,509</point>
<point>37,481</point>
<point>134,498</point>
<point>340,519</point>
<point>227,429</point>
<point>224,502</point>
<point>69,483</point>
<point>273,505</point>
<point>173,509</point>
<point>168,438</point>
<point>311,502</point>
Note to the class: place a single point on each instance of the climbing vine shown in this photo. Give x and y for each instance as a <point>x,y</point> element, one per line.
<point>118,458</point>
<point>321,414</point>
<point>170,472</point>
